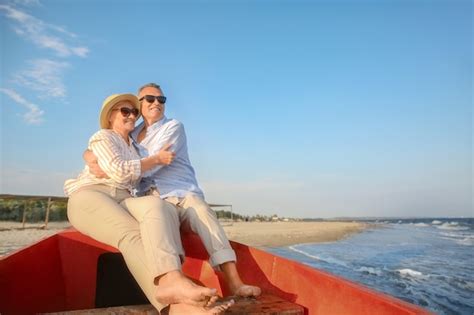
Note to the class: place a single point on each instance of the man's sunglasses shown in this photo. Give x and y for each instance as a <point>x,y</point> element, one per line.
<point>125,111</point>
<point>151,99</point>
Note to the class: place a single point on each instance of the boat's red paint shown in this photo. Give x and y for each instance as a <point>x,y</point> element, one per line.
<point>59,273</point>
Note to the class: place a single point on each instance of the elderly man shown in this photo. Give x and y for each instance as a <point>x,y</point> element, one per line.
<point>176,183</point>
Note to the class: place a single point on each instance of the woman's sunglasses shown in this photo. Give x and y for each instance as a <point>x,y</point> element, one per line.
<point>151,99</point>
<point>125,111</point>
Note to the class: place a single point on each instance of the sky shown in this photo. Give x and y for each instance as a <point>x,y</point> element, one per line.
<point>303,109</point>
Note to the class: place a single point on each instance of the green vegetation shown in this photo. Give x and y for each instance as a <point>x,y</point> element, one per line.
<point>225,214</point>
<point>12,208</point>
<point>35,210</point>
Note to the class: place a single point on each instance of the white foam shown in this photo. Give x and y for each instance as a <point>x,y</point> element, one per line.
<point>468,241</point>
<point>468,285</point>
<point>461,238</point>
<point>370,270</point>
<point>328,260</point>
<point>410,273</point>
<point>436,222</point>
<point>421,224</point>
<point>450,234</point>
<point>303,253</point>
<point>452,226</point>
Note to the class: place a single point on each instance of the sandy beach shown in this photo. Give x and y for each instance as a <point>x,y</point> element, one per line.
<point>259,234</point>
<point>275,234</point>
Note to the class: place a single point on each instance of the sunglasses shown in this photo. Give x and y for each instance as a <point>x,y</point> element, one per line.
<point>125,111</point>
<point>151,99</point>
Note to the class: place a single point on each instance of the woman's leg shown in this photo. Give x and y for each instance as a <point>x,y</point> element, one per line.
<point>95,212</point>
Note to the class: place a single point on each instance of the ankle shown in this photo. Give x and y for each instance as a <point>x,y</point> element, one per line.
<point>169,277</point>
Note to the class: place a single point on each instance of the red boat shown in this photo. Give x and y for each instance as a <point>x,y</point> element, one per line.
<point>70,271</point>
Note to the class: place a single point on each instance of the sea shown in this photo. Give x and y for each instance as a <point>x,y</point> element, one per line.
<point>428,261</point>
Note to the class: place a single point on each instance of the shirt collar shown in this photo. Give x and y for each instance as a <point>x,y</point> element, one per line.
<point>151,128</point>
<point>157,124</point>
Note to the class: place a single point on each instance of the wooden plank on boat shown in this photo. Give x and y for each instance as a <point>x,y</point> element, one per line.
<point>146,309</point>
<point>265,304</point>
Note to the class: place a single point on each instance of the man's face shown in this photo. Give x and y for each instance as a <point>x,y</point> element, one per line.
<point>151,112</point>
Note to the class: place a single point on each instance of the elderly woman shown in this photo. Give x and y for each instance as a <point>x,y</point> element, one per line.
<point>144,229</point>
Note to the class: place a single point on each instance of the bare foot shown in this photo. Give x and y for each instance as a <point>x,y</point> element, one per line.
<point>212,300</point>
<point>236,286</point>
<point>186,309</point>
<point>175,288</point>
<point>246,290</point>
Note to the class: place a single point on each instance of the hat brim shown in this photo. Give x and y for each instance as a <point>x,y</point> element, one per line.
<point>110,102</point>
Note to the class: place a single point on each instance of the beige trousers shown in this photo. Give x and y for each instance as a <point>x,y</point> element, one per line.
<point>145,230</point>
<point>196,215</point>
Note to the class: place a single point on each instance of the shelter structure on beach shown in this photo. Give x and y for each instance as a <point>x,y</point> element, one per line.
<point>51,199</point>
<point>30,198</point>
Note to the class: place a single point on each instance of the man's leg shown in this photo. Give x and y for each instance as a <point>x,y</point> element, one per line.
<point>196,215</point>
<point>159,228</point>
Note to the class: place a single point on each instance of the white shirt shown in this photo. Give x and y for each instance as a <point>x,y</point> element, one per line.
<point>119,160</point>
<point>177,179</point>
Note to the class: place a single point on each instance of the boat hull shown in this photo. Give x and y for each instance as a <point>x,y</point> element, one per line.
<point>68,271</point>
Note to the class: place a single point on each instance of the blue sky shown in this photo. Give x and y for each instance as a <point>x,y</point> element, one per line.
<point>300,108</point>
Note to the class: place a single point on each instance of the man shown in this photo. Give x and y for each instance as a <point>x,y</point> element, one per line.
<point>176,183</point>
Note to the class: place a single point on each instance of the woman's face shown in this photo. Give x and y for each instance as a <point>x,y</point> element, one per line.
<point>123,116</point>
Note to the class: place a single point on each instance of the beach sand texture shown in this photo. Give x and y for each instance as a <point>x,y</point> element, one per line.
<point>259,234</point>
<point>277,234</point>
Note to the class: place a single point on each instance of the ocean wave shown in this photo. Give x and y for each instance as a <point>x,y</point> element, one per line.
<point>468,241</point>
<point>452,226</point>
<point>451,234</point>
<point>466,285</point>
<point>293,248</point>
<point>436,222</point>
<point>411,273</point>
<point>370,270</point>
<point>421,225</point>
<point>328,260</point>
<point>459,238</point>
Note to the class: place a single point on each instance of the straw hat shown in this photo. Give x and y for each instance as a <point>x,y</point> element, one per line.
<point>110,102</point>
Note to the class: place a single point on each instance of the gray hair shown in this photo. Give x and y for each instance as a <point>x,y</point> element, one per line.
<point>152,85</point>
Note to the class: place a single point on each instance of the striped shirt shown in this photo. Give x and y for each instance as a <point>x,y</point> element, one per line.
<point>116,158</point>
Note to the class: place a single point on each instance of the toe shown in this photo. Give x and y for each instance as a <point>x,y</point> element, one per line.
<point>212,300</point>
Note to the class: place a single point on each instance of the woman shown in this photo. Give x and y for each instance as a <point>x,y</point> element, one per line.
<point>144,229</point>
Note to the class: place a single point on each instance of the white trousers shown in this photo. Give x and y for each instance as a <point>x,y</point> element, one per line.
<point>145,230</point>
<point>196,215</point>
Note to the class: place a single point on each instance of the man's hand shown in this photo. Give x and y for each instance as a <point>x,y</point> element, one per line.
<point>92,163</point>
<point>165,157</point>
